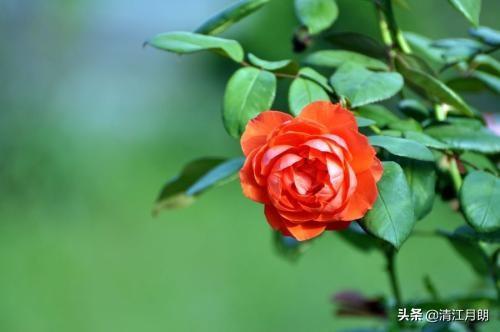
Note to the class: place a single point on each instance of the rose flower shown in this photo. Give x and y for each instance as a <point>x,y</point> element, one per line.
<point>313,173</point>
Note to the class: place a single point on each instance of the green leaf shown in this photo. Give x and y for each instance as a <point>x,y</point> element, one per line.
<point>229,16</point>
<point>362,86</point>
<point>479,161</point>
<point>468,8</point>
<point>470,250</point>
<point>486,64</point>
<point>458,54</point>
<point>414,62</point>
<point>433,88</point>
<point>458,49</point>
<point>406,124</point>
<point>414,108</point>
<point>492,82</point>
<point>336,58</point>
<point>421,177</point>
<point>402,147</point>
<point>448,43</point>
<point>364,122</point>
<point>303,92</point>
<point>486,35</point>
<point>467,139</point>
<point>392,217</point>
<point>316,15</point>
<point>316,77</point>
<point>357,237</point>
<point>476,81</point>
<point>188,42</point>
<point>480,199</point>
<point>391,133</point>
<point>249,92</point>
<point>357,42</point>
<point>196,177</point>
<point>284,66</point>
<point>465,84</point>
<point>465,122</point>
<point>378,113</point>
<point>425,140</point>
<point>421,46</point>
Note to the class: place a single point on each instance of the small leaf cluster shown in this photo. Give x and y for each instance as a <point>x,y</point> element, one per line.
<point>431,140</point>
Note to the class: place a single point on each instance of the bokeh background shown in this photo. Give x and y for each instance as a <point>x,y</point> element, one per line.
<point>91,126</point>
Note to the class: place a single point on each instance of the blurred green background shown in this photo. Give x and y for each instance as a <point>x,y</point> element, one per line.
<point>91,126</point>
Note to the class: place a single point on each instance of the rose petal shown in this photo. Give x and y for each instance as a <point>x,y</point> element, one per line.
<point>285,161</point>
<point>250,187</point>
<point>336,139</point>
<point>362,199</point>
<point>271,154</point>
<point>305,231</point>
<point>302,182</point>
<point>313,172</point>
<point>340,200</point>
<point>259,175</point>
<point>289,138</point>
<point>361,151</point>
<point>335,173</point>
<point>333,116</point>
<point>298,125</point>
<point>274,219</point>
<point>377,169</point>
<point>260,127</point>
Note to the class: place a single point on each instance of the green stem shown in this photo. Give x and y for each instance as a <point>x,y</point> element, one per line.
<point>389,27</point>
<point>375,129</point>
<point>424,233</point>
<point>455,175</point>
<point>494,272</point>
<point>390,256</point>
<point>290,76</point>
<point>277,74</point>
<point>384,28</point>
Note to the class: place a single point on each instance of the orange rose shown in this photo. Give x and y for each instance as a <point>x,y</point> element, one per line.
<point>313,172</point>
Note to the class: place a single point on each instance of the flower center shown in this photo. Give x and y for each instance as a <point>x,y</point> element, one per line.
<point>308,176</point>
